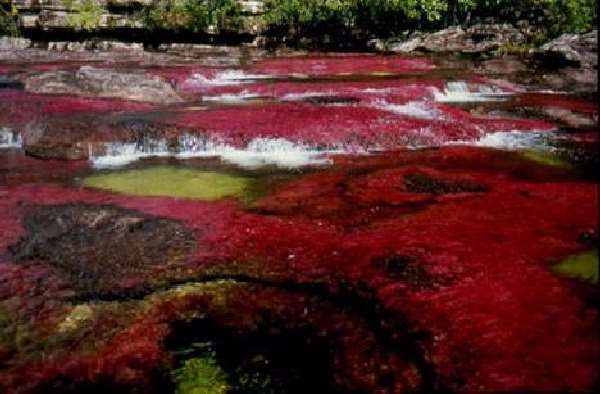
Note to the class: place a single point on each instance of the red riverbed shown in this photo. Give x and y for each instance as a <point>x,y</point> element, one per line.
<point>457,242</point>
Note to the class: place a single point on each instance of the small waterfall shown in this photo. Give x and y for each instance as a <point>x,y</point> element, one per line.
<point>10,138</point>
<point>225,78</point>
<point>257,153</point>
<point>513,140</point>
<point>415,109</point>
<point>460,92</point>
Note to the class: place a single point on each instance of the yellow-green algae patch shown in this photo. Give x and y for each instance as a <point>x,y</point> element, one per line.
<point>200,376</point>
<point>582,266</point>
<point>165,181</point>
<point>551,159</point>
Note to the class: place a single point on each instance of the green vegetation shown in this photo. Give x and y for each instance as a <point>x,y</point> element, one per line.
<point>172,182</point>
<point>582,266</point>
<point>8,19</point>
<point>389,17</point>
<point>87,14</point>
<point>200,376</point>
<point>192,15</point>
<point>341,20</point>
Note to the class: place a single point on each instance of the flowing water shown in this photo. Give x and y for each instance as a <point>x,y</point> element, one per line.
<point>332,223</point>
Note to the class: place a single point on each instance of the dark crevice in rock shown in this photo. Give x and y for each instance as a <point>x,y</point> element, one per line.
<point>408,269</point>
<point>295,361</point>
<point>391,329</point>
<point>422,183</point>
<point>330,100</point>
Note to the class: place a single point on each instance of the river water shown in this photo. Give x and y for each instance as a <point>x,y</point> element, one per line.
<point>331,223</point>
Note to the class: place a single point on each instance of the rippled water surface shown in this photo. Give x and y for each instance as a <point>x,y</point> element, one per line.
<point>326,223</point>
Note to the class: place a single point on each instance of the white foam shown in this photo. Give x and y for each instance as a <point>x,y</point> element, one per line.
<point>415,109</point>
<point>258,153</point>
<point>230,98</point>
<point>10,138</point>
<point>512,140</point>
<point>224,78</point>
<point>459,92</point>
<point>305,95</point>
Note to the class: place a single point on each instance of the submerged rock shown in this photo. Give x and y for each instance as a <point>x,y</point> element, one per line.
<point>95,82</point>
<point>97,248</point>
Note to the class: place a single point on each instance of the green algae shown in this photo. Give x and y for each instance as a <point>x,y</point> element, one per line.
<point>546,158</point>
<point>166,181</point>
<point>582,266</point>
<point>200,376</point>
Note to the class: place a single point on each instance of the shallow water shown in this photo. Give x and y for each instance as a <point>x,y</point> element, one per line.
<point>328,223</point>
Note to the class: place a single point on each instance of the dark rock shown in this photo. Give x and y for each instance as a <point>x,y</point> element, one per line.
<point>7,83</point>
<point>89,81</point>
<point>422,183</point>
<point>98,248</point>
<point>407,269</point>
<point>330,100</point>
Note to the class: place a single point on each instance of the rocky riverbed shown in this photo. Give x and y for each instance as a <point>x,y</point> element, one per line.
<point>228,220</point>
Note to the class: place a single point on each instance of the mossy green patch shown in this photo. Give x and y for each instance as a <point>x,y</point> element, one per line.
<point>581,266</point>
<point>200,376</point>
<point>546,158</point>
<point>165,181</point>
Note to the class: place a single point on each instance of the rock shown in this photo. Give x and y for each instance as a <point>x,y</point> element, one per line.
<point>83,137</point>
<point>107,46</point>
<point>98,249</point>
<point>578,49</point>
<point>571,119</point>
<point>378,44</point>
<point>12,43</point>
<point>94,82</point>
<point>474,39</point>
<point>503,66</point>
<point>8,83</point>
<point>58,139</point>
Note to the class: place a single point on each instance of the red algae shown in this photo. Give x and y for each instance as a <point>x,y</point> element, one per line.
<point>353,127</point>
<point>420,270</point>
<point>342,65</point>
<point>494,314</point>
<point>20,107</point>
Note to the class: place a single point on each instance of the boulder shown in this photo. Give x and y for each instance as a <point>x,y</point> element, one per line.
<point>576,49</point>
<point>105,83</point>
<point>12,43</point>
<point>83,137</point>
<point>474,39</point>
